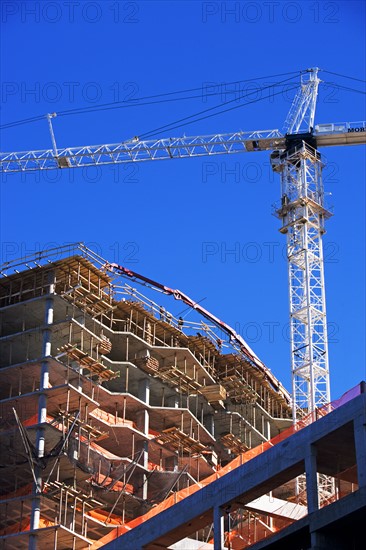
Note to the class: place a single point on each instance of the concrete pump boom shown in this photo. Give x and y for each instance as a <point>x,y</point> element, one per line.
<point>233,335</point>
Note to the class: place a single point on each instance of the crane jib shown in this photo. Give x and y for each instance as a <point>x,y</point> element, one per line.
<point>323,135</point>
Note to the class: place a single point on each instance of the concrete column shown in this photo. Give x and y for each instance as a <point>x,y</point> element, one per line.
<point>171,463</point>
<point>268,426</point>
<point>173,401</point>
<point>42,410</point>
<point>209,424</point>
<point>311,479</point>
<point>325,541</point>
<point>320,542</point>
<point>144,390</point>
<point>219,533</point>
<point>80,370</point>
<point>359,427</point>
<point>145,456</point>
<point>142,421</point>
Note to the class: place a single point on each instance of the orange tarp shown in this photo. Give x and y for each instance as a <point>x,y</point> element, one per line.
<point>34,420</point>
<point>24,525</point>
<point>114,420</point>
<point>118,485</point>
<point>21,492</point>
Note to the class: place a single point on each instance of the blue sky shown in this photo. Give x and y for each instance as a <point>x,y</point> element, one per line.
<point>162,219</point>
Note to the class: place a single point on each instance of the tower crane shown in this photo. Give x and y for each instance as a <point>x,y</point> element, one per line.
<point>295,157</point>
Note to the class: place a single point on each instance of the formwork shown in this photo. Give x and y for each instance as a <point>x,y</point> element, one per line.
<point>111,406</point>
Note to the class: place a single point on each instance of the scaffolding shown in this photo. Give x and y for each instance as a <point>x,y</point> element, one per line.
<point>109,405</point>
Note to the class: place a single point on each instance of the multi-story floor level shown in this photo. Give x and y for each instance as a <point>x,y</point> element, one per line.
<point>110,403</point>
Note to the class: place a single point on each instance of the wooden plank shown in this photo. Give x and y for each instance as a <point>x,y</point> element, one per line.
<point>214,392</point>
<point>178,378</point>
<point>148,364</point>
<point>179,440</point>
<point>86,361</point>
<point>230,441</point>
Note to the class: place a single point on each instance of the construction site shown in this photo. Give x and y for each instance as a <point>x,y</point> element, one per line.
<point>133,418</point>
<point>113,411</point>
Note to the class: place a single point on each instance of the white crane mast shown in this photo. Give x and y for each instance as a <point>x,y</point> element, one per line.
<point>303,214</point>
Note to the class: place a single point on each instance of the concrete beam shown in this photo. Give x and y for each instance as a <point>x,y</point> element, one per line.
<point>322,521</point>
<point>218,527</point>
<point>360,444</point>
<point>311,479</point>
<point>239,487</point>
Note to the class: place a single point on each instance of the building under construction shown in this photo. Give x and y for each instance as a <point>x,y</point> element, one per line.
<point>114,408</point>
